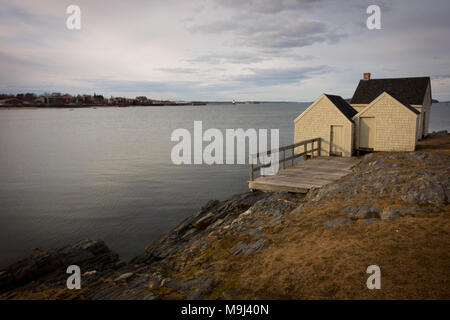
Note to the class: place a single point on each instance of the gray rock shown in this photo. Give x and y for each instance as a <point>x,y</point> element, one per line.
<point>248,248</point>
<point>87,254</point>
<point>155,280</point>
<point>275,221</point>
<point>204,221</point>
<point>364,211</point>
<point>201,291</point>
<point>254,232</point>
<point>350,210</point>
<point>179,238</point>
<point>399,209</point>
<point>198,283</point>
<point>106,292</point>
<point>337,222</point>
<point>425,190</point>
<point>273,206</point>
<point>386,216</point>
<point>367,221</point>
<point>124,277</point>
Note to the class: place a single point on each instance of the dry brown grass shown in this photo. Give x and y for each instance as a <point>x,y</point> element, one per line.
<point>319,263</point>
<point>435,144</point>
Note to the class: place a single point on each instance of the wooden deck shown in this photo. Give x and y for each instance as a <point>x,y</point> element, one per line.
<point>304,175</point>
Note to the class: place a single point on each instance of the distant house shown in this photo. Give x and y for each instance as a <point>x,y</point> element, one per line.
<point>66,99</point>
<point>383,115</point>
<point>11,102</point>
<point>98,99</point>
<point>141,99</point>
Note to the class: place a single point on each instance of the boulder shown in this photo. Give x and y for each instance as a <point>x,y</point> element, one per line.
<point>364,211</point>
<point>337,222</point>
<point>425,190</point>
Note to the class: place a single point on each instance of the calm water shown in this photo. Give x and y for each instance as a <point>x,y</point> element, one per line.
<point>106,173</point>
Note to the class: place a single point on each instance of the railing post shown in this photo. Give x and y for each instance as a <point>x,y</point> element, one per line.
<point>283,156</point>
<point>292,158</point>
<point>306,151</point>
<point>319,146</point>
<point>251,168</point>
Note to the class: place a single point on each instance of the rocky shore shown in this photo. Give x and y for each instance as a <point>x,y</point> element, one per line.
<point>392,210</point>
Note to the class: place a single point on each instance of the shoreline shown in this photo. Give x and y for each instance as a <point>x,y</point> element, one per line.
<point>214,252</point>
<point>96,106</point>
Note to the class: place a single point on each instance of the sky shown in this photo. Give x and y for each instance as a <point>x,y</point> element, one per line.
<point>211,50</point>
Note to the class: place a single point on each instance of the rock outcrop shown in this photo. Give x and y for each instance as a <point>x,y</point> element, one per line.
<point>87,254</point>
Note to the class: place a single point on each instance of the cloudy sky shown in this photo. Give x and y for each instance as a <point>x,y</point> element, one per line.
<point>221,49</point>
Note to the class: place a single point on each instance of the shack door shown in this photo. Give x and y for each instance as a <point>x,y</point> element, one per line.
<point>366,133</point>
<point>336,141</point>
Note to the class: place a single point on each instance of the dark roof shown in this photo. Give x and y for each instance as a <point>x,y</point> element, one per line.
<point>409,90</point>
<point>342,105</point>
<point>407,105</point>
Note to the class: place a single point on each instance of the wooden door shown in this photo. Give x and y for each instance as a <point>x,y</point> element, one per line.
<point>366,133</point>
<point>336,140</point>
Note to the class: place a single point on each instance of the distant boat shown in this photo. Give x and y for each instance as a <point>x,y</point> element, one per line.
<point>251,102</point>
<point>233,102</point>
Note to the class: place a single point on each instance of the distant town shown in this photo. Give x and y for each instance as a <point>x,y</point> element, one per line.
<point>60,100</point>
<point>56,99</point>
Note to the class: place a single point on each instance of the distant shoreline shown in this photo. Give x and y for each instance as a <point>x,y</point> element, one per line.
<point>95,106</point>
<point>85,106</point>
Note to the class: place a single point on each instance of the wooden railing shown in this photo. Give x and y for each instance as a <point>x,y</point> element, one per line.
<point>307,152</point>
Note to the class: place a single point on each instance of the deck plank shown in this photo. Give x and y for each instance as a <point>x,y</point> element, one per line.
<point>305,175</point>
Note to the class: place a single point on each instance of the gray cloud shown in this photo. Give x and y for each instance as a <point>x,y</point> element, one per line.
<point>280,76</point>
<point>233,58</point>
<point>291,35</point>
<point>276,33</point>
<point>13,13</point>
<point>136,86</point>
<point>177,70</point>
<point>269,6</point>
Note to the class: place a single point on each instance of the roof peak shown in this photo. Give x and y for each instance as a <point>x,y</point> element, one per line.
<point>399,78</point>
<point>346,109</point>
